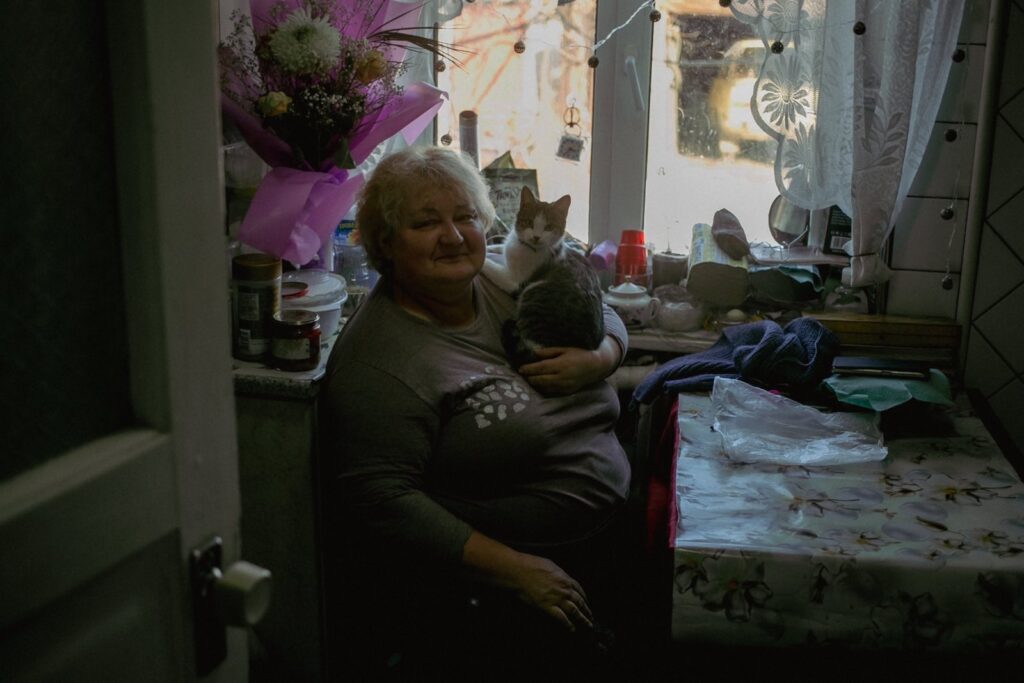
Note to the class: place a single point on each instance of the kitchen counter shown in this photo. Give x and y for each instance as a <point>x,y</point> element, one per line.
<point>260,380</point>
<point>276,416</point>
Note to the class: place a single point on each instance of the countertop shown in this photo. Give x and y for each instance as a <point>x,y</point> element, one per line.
<point>260,380</point>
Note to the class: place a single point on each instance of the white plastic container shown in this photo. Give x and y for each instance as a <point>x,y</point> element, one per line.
<point>324,294</point>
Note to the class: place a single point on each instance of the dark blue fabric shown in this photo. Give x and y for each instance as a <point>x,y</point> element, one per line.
<point>798,356</point>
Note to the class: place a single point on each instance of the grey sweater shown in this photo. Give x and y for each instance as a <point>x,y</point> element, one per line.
<point>433,435</point>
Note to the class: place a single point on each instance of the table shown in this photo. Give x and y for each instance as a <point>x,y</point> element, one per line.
<point>922,550</point>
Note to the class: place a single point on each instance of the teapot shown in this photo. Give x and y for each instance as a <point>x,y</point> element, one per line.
<point>632,302</point>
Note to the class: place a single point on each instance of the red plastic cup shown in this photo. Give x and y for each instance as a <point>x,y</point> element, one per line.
<point>631,261</point>
<point>632,237</point>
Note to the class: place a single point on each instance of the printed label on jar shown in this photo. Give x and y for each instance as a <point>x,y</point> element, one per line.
<point>248,305</point>
<point>291,349</point>
<point>251,345</point>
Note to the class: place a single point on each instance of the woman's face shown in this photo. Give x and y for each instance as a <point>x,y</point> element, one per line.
<point>441,242</point>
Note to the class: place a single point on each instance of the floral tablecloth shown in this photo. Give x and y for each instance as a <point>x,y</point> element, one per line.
<point>924,549</point>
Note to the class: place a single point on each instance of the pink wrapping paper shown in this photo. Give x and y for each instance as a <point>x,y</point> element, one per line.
<point>294,211</point>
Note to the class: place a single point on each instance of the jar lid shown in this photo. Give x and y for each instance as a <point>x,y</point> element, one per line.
<point>255,267</point>
<point>323,288</point>
<point>296,317</point>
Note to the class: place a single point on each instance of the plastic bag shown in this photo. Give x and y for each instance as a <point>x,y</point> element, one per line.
<point>758,426</point>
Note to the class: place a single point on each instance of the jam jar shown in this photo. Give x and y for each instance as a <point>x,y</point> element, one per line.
<point>295,345</point>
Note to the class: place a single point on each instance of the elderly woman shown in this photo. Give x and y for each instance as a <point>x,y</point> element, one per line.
<point>451,465</point>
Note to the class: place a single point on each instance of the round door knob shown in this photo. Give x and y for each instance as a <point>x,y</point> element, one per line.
<point>242,593</point>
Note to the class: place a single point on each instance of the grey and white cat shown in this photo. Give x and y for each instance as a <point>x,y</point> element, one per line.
<point>557,291</point>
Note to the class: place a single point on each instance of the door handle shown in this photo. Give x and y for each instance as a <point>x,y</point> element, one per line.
<point>237,596</point>
<point>629,66</point>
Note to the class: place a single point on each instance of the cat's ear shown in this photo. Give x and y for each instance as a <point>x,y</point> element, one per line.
<point>562,204</point>
<point>526,197</point>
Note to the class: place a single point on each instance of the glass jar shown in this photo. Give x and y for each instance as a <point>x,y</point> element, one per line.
<point>255,298</point>
<point>296,340</point>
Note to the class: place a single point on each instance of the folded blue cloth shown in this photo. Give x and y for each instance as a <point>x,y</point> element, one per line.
<point>763,353</point>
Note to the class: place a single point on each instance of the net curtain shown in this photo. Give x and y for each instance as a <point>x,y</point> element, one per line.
<point>851,98</point>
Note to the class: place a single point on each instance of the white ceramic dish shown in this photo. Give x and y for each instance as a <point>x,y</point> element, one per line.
<point>679,316</point>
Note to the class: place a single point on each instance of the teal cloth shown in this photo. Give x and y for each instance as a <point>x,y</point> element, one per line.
<point>882,393</point>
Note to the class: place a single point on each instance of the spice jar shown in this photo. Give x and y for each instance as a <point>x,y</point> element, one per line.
<point>255,298</point>
<point>296,340</point>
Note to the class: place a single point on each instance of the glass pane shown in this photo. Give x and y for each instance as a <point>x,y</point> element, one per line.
<point>63,344</point>
<point>521,99</point>
<point>705,152</point>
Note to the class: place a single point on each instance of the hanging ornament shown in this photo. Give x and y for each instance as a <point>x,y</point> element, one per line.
<point>440,66</point>
<point>951,135</point>
<point>655,15</point>
<point>947,213</point>
<point>519,47</point>
<point>446,139</point>
<point>778,47</point>
<point>593,61</point>
<point>570,146</point>
<point>947,282</point>
<point>859,28</point>
<point>959,55</point>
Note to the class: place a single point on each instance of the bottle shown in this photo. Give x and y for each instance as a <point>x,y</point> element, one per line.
<point>255,298</point>
<point>351,263</point>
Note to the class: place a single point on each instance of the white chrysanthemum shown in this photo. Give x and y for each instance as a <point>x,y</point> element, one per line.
<point>304,44</point>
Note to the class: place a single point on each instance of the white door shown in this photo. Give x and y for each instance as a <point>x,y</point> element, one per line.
<point>95,537</point>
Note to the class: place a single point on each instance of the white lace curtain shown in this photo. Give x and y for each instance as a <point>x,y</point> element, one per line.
<point>850,89</point>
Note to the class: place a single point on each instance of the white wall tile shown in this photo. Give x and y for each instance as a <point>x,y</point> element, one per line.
<point>974,26</point>
<point>1003,327</point>
<point>999,272</point>
<point>917,293</point>
<point>1008,222</point>
<point>1006,404</point>
<point>946,168</point>
<point>962,98</point>
<point>921,238</point>
<point>1007,174</point>
<point>984,369</point>
<point>1012,79</point>
<point>1013,113</point>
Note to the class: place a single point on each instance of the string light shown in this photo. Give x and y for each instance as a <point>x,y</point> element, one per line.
<point>949,212</point>
<point>520,46</point>
<point>621,26</point>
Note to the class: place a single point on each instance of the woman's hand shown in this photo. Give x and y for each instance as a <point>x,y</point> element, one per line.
<point>542,583</point>
<point>566,370</point>
<point>537,581</point>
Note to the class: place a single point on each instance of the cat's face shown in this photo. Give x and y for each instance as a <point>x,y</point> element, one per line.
<point>541,224</point>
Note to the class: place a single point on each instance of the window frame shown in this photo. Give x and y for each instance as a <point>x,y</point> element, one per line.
<point>618,167</point>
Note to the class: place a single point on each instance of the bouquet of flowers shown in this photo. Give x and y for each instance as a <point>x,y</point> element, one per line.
<point>312,85</point>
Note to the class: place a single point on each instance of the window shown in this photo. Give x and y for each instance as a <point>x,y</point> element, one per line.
<point>522,100</point>
<point>665,115</point>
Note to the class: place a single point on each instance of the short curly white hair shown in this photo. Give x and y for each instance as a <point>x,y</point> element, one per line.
<point>384,200</point>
